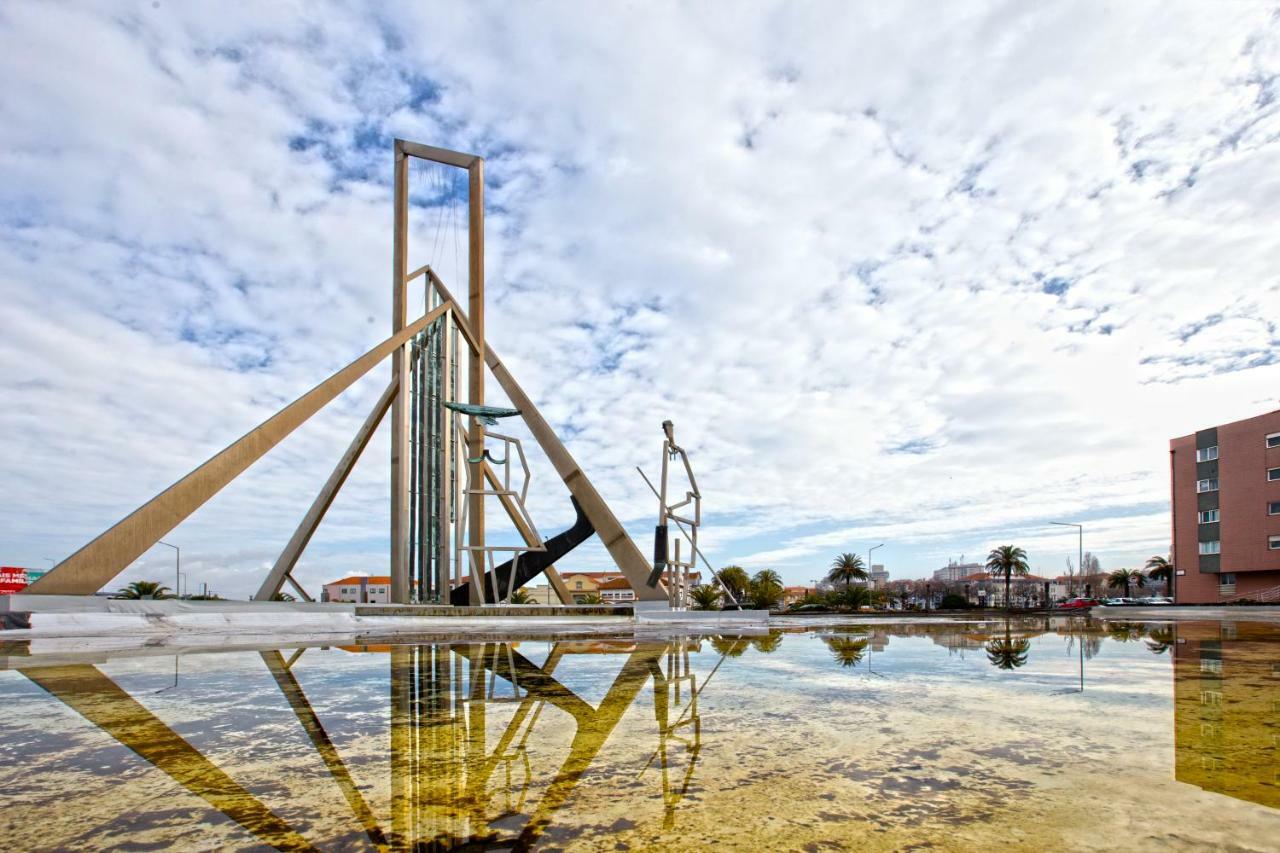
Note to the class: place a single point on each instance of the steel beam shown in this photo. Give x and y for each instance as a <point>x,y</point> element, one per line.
<point>89,569</point>
<point>399,569</point>
<point>288,558</point>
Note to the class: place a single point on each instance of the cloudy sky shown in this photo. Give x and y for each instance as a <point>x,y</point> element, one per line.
<point>926,274</point>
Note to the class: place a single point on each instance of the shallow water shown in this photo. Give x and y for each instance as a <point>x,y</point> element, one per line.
<point>1040,735</point>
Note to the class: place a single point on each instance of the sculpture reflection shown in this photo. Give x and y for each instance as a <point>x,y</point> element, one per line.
<point>452,785</point>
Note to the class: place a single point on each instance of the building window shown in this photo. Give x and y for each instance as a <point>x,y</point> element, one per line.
<point>1211,485</point>
<point>1209,516</point>
<point>1207,454</point>
<point>1273,440</point>
<point>1273,542</point>
<point>1213,546</point>
<point>1227,579</point>
<point>1273,508</point>
<point>1273,473</point>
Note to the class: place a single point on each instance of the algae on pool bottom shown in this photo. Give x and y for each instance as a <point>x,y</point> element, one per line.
<point>1043,734</point>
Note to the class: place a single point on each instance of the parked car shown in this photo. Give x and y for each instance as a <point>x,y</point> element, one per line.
<point>1155,599</point>
<point>1117,602</point>
<point>1078,604</point>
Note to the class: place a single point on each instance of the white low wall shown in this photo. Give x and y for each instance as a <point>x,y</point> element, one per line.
<point>87,616</point>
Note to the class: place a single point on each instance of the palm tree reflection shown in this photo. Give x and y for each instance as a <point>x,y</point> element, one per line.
<point>846,650</point>
<point>1008,652</point>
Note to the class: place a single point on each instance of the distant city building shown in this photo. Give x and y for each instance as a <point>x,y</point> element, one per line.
<point>359,589</point>
<point>794,594</point>
<point>877,577</point>
<point>954,571</point>
<point>1226,510</point>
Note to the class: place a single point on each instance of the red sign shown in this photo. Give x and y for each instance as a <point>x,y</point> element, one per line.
<point>12,579</point>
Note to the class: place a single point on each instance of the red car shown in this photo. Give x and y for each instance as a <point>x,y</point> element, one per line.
<point>1078,604</point>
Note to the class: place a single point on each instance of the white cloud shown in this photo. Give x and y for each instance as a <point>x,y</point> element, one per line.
<point>932,274</point>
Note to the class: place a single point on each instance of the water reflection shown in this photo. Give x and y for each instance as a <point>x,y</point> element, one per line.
<point>1227,709</point>
<point>488,748</point>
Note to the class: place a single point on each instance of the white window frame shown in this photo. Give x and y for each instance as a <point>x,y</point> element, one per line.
<point>1273,440</point>
<point>1273,543</point>
<point>1207,454</point>
<point>1273,474</point>
<point>1204,516</point>
<point>1210,547</point>
<point>1202,486</point>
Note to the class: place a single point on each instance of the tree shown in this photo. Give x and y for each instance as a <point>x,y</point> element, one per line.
<point>706,597</point>
<point>139,590</point>
<point>1090,565</point>
<point>766,589</point>
<point>283,596</point>
<point>847,651</point>
<point>520,596</point>
<point>1122,578</point>
<point>846,569</point>
<point>1160,569</point>
<point>735,580</point>
<point>854,597</point>
<point>590,598</point>
<point>1007,560</point>
<point>1007,653</point>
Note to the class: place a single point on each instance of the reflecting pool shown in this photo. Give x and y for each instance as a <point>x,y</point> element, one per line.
<point>1052,734</point>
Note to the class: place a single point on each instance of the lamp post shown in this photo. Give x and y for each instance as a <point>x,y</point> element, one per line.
<point>869,550</point>
<point>1080,530</point>
<point>177,568</point>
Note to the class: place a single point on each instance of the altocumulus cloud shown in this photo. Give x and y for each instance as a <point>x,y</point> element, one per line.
<point>933,274</point>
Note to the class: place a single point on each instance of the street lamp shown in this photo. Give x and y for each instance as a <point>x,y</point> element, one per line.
<point>1080,530</point>
<point>177,569</point>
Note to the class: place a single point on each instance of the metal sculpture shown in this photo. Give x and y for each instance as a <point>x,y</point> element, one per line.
<point>441,469</point>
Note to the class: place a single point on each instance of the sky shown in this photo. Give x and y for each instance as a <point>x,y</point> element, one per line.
<point>928,275</point>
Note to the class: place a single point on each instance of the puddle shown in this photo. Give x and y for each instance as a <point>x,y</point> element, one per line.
<point>1049,734</point>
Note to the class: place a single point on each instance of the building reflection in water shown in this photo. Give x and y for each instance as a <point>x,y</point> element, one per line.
<point>451,783</point>
<point>1227,709</point>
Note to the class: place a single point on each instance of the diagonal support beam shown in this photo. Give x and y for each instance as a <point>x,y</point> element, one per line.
<point>101,701</point>
<point>89,569</point>
<point>621,547</point>
<point>324,746</point>
<point>283,568</point>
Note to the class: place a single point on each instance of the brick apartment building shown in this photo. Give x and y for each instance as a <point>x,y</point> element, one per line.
<point>1226,510</point>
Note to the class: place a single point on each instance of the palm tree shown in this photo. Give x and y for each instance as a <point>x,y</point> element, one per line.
<point>283,596</point>
<point>1122,578</point>
<point>1160,569</point>
<point>846,569</point>
<point>1007,560</point>
<point>520,596</point>
<point>706,597</point>
<point>766,589</point>
<point>735,580</point>
<point>139,590</point>
<point>1007,653</point>
<point>855,597</point>
<point>847,651</point>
